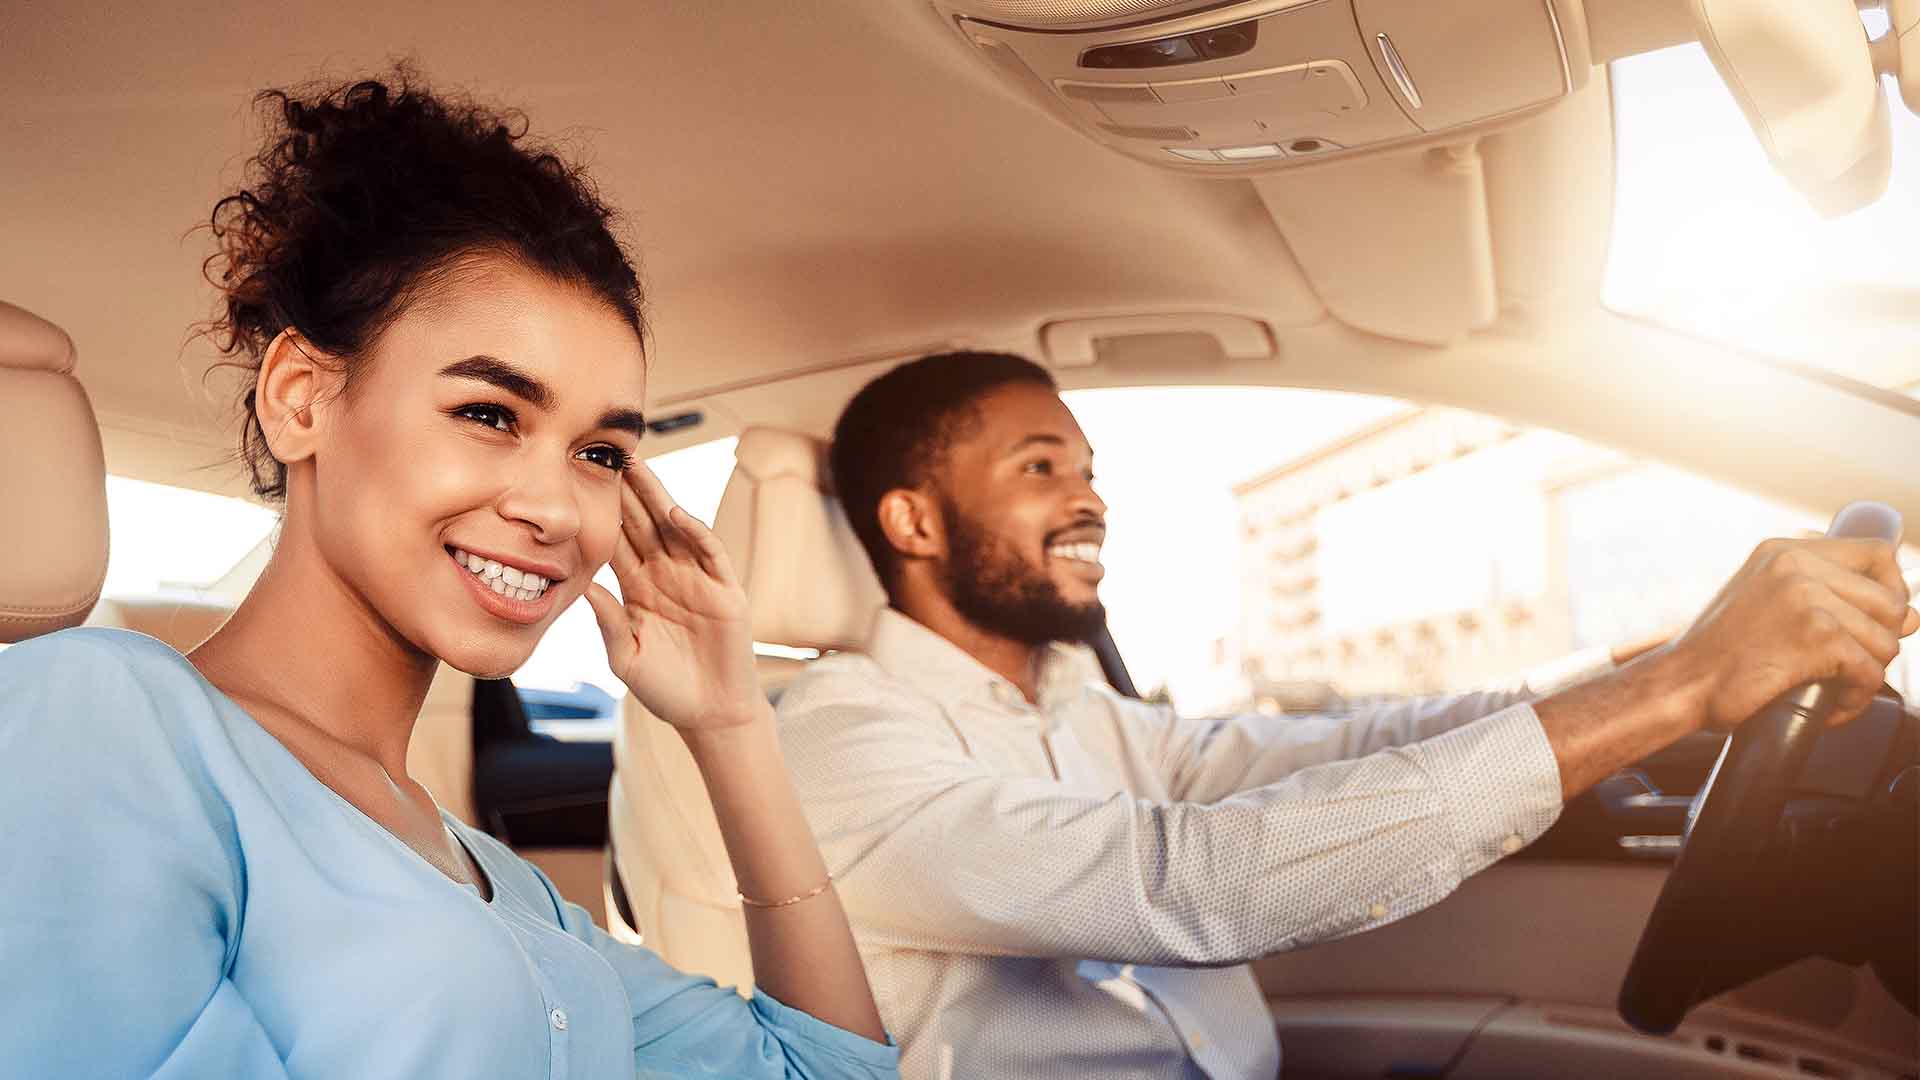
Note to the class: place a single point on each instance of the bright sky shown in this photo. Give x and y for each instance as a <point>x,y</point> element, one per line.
<point>1700,215</point>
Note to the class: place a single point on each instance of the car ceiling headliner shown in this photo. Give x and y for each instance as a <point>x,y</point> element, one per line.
<point>816,189</point>
<point>801,182</point>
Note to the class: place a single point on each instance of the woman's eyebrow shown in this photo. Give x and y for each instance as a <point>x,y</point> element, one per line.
<point>624,420</point>
<point>497,372</point>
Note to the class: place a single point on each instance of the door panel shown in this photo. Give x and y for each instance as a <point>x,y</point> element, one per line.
<point>1553,933</point>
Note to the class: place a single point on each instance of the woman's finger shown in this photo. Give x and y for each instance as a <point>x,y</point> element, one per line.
<point>659,506</point>
<point>616,628</point>
<point>638,525</point>
<point>706,546</point>
<point>627,565</point>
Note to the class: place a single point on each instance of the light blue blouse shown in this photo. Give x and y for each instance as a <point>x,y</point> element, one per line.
<point>180,897</point>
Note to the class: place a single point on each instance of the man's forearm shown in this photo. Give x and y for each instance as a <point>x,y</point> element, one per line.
<point>1603,725</point>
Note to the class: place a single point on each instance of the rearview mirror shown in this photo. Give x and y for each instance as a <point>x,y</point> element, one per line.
<point>1803,73</point>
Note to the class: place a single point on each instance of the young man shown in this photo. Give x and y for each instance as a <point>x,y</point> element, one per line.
<point>1048,879</point>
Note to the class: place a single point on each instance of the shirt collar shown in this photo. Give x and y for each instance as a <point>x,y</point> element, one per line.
<point>915,654</point>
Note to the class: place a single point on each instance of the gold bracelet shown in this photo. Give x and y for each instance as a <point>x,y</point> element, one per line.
<point>808,895</point>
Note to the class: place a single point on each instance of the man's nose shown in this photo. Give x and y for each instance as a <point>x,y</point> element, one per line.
<point>1089,501</point>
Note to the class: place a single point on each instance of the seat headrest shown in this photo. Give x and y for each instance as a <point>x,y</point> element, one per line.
<point>808,579</point>
<point>53,482</point>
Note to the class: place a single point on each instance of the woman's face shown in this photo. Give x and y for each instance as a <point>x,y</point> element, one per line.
<point>488,428</point>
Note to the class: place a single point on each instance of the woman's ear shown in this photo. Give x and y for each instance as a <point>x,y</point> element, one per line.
<point>911,522</point>
<point>287,391</point>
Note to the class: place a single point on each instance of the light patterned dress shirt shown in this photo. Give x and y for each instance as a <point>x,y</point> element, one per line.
<point>1075,888</point>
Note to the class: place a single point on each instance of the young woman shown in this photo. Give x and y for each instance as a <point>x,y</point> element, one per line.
<point>216,865</point>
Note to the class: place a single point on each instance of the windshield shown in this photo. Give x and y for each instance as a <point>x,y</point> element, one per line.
<point>1710,240</point>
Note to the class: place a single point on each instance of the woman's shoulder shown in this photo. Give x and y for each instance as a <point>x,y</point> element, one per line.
<point>107,650</point>
<point>109,695</point>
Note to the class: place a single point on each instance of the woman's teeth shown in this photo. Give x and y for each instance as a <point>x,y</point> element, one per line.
<point>509,581</point>
<point>1087,553</point>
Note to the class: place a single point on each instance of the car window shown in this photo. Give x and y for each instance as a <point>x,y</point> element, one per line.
<point>174,539</point>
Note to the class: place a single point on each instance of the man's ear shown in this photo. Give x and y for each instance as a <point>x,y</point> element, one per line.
<point>912,524</point>
<point>288,392</point>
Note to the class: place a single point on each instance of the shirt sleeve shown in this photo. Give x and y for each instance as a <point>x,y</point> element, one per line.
<point>935,852</point>
<point>688,1022</point>
<point>1205,760</point>
<point>119,878</point>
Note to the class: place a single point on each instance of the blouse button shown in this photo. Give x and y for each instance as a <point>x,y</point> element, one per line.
<point>559,1018</point>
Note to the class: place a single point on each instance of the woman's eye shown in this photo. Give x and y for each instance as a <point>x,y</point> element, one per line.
<point>610,457</point>
<point>491,415</point>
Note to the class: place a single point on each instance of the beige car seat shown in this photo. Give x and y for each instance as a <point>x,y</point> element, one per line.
<point>53,482</point>
<point>811,587</point>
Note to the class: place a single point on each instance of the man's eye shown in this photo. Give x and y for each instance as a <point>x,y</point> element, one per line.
<point>1039,468</point>
<point>491,415</point>
<point>610,457</point>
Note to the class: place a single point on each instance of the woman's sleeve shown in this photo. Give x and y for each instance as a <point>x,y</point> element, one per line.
<point>685,1022</point>
<point>119,876</point>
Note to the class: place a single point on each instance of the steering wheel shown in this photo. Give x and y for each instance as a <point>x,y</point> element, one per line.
<point>1696,923</point>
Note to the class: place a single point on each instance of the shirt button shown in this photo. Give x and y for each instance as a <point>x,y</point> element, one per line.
<point>559,1018</point>
<point>1377,911</point>
<point>1512,844</point>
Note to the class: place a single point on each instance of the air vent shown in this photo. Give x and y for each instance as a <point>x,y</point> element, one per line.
<point>1157,134</point>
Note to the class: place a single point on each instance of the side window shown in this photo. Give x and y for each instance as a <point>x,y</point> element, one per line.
<point>176,540</point>
<point>1444,551</point>
<point>569,690</point>
<point>1290,550</point>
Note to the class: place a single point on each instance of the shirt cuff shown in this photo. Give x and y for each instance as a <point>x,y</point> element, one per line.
<point>1501,784</point>
<point>790,1025</point>
<point>1569,670</point>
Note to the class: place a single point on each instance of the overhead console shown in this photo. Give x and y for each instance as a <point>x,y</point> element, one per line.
<point>1267,84</point>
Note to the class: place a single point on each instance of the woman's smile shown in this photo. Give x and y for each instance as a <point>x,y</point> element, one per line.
<point>503,590</point>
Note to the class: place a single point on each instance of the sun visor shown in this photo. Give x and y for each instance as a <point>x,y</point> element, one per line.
<point>1266,85</point>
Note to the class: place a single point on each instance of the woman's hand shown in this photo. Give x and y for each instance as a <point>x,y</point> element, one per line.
<point>681,640</point>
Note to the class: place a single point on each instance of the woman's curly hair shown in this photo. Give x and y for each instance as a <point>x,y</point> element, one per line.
<point>364,198</point>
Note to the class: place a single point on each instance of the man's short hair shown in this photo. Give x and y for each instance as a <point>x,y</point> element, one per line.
<point>897,430</point>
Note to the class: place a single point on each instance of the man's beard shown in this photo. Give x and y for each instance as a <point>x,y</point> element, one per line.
<point>1002,593</point>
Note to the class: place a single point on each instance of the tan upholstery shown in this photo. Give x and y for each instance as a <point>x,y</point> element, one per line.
<point>811,587</point>
<point>669,854</point>
<point>53,482</point>
<point>440,756</point>
<point>180,622</point>
<point>809,580</point>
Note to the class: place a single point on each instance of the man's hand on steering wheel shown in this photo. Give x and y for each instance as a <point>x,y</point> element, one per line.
<point>1798,611</point>
<point>1802,635</point>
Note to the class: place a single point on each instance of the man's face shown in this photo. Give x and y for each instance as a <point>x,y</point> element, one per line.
<point>1023,525</point>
